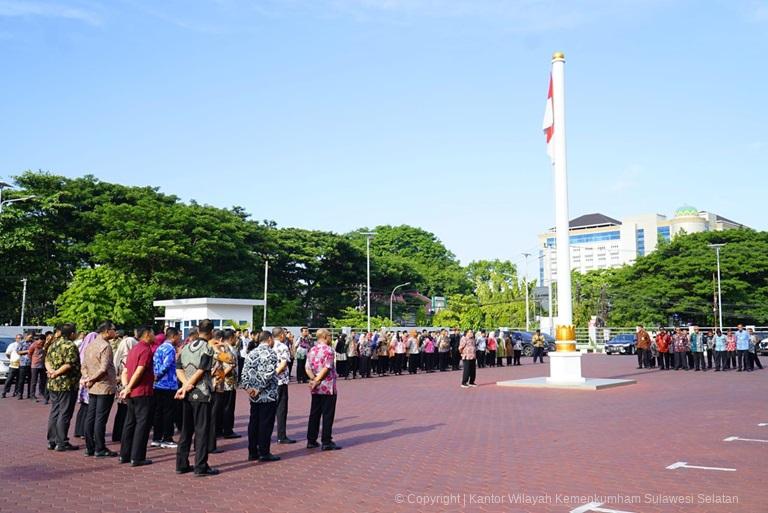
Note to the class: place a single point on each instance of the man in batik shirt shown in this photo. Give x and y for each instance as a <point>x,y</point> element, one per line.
<point>62,363</point>
<point>321,370</point>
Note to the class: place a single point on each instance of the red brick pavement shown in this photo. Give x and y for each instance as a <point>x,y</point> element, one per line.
<point>411,437</point>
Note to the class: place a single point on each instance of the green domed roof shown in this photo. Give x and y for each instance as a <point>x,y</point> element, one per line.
<point>686,210</point>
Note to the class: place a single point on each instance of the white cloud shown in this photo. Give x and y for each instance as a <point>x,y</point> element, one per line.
<point>17,8</point>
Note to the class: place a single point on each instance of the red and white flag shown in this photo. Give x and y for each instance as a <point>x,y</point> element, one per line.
<point>549,123</point>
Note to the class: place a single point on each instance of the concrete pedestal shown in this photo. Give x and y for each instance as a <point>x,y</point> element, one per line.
<point>565,368</point>
<point>565,373</point>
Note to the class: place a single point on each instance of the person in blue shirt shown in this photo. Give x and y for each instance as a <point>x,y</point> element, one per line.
<point>720,341</point>
<point>166,385</point>
<point>742,346</point>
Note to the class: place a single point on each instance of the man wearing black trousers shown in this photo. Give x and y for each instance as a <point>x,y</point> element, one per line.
<point>193,371</point>
<point>455,339</point>
<point>62,363</point>
<point>100,378</point>
<point>283,377</point>
<point>138,379</point>
<point>260,380</point>
<point>321,370</point>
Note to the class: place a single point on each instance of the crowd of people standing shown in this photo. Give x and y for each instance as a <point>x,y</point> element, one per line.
<point>694,349</point>
<point>165,384</point>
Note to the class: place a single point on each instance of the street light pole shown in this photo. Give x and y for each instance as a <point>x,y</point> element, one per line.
<point>266,281</point>
<point>717,247</point>
<point>3,186</point>
<point>527,308</point>
<point>23,302</point>
<point>368,236</point>
<point>392,297</point>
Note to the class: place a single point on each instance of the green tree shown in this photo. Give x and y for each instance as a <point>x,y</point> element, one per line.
<point>105,293</point>
<point>354,318</point>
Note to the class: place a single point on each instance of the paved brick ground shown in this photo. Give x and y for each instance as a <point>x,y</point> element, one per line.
<point>411,437</point>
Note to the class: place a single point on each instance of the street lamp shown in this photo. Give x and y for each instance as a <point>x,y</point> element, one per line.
<point>368,237</point>
<point>717,247</point>
<point>5,185</point>
<point>392,297</point>
<point>527,308</point>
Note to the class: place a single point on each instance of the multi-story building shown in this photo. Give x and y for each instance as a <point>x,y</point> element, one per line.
<point>602,242</point>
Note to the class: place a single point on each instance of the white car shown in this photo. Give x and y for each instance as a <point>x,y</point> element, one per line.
<point>4,360</point>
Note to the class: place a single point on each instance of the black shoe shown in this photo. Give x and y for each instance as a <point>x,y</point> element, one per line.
<point>253,458</point>
<point>123,460</point>
<point>286,441</point>
<point>185,470</point>
<point>331,447</point>
<point>230,436</point>
<point>67,447</point>
<point>269,457</point>
<point>217,450</point>
<point>4,396</point>
<point>207,472</point>
<point>88,453</point>
<point>312,445</point>
<point>141,463</point>
<point>51,446</point>
<point>106,454</point>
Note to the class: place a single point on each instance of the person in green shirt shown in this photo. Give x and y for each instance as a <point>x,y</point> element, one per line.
<point>62,364</point>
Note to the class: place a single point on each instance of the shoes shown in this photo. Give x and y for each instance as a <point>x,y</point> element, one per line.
<point>253,458</point>
<point>67,447</point>
<point>312,445</point>
<point>123,460</point>
<point>331,447</point>
<point>155,443</point>
<point>168,445</point>
<point>217,450</point>
<point>207,472</point>
<point>51,446</point>
<point>230,436</point>
<point>3,396</point>
<point>464,386</point>
<point>472,385</point>
<point>269,457</point>
<point>106,454</point>
<point>286,441</point>
<point>88,453</point>
<point>141,463</point>
<point>185,470</point>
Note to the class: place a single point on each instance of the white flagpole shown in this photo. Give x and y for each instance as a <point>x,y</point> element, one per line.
<point>564,308</point>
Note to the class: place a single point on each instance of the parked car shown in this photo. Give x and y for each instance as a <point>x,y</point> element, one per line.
<point>4,360</point>
<point>762,346</point>
<point>526,337</point>
<point>621,344</point>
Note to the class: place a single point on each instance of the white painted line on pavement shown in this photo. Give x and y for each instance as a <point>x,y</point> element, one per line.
<point>735,438</point>
<point>595,506</point>
<point>684,464</point>
<point>763,424</point>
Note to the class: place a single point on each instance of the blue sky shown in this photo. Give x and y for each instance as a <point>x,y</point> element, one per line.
<point>336,114</point>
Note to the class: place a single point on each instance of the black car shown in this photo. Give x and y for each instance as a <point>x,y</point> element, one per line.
<point>621,344</point>
<point>526,337</point>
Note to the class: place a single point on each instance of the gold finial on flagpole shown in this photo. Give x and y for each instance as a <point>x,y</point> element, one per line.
<point>558,56</point>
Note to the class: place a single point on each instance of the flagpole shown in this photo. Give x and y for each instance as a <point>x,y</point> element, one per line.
<point>564,308</point>
<point>565,362</point>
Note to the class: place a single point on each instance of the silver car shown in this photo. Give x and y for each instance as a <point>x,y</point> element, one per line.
<point>4,360</point>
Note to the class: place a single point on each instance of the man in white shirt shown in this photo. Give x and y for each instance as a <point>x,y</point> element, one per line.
<point>13,367</point>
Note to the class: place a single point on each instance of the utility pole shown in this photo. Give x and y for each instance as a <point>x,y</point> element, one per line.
<point>527,308</point>
<point>266,282</point>
<point>717,247</point>
<point>23,301</point>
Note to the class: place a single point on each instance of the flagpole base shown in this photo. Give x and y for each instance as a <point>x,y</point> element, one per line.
<point>565,368</point>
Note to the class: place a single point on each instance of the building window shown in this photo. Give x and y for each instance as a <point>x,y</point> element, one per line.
<point>640,240</point>
<point>585,238</point>
<point>662,233</point>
